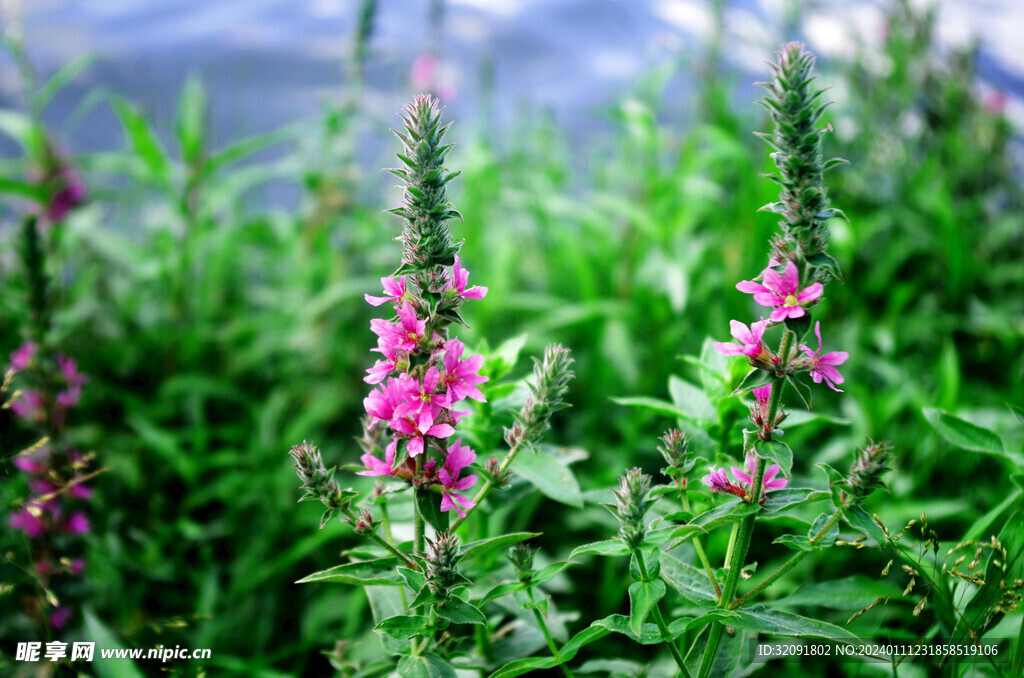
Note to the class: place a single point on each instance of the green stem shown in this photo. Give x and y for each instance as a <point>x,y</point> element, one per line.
<point>547,634</point>
<point>418,526</point>
<point>666,637</point>
<point>788,565</point>
<point>732,545</point>
<point>734,566</point>
<point>409,562</point>
<point>488,485</point>
<point>700,548</point>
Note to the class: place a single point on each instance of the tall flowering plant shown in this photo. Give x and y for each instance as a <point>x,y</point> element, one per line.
<point>415,436</point>
<point>44,385</point>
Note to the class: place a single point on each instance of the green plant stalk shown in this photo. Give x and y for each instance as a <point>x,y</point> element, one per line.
<point>700,548</point>
<point>488,485</point>
<point>734,566</point>
<point>789,564</point>
<point>386,544</point>
<point>547,633</point>
<point>418,526</point>
<point>732,545</point>
<point>659,620</point>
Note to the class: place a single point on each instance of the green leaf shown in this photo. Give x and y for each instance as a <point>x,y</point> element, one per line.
<point>691,399</point>
<point>383,572</point>
<point>500,591</point>
<point>62,78</point>
<point>143,140</point>
<point>244,148</point>
<point>106,640</point>
<point>478,548</point>
<point>190,125</point>
<point>775,452</point>
<point>691,583</point>
<point>852,593</point>
<point>1018,412</point>
<point>755,378</point>
<point>458,611</point>
<point>549,572</point>
<point>429,505</point>
<point>803,390</point>
<point>413,579</point>
<point>682,534</point>
<point>863,523</point>
<point>966,435</point>
<point>761,619</point>
<point>797,542</point>
<point>786,498</point>
<point>552,478</point>
<point>566,653</point>
<point>827,539</point>
<point>425,666</point>
<point>650,634</point>
<point>608,547</point>
<point>643,595</point>
<point>723,514</point>
<point>653,405</point>
<point>404,626</point>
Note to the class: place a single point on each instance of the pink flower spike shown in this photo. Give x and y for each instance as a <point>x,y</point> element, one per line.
<point>750,339</point>
<point>394,291</point>
<point>823,366</point>
<point>376,467</point>
<point>461,376</point>
<point>782,292</point>
<point>460,278</point>
<point>22,357</point>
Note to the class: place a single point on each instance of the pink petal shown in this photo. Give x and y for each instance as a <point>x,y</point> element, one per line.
<point>739,475</point>
<point>751,287</point>
<point>811,292</point>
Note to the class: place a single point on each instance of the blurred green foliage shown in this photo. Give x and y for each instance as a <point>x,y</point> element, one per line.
<point>217,334</point>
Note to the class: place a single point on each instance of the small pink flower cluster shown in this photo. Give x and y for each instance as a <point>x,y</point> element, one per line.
<point>718,481</point>
<point>421,377</point>
<point>56,476</point>
<point>30,404</point>
<point>782,293</point>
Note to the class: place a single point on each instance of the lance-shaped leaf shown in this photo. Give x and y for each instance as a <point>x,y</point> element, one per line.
<point>382,571</point>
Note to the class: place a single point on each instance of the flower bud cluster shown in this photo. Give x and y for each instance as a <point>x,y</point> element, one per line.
<point>521,557</point>
<point>551,377</point>
<point>796,108</point>
<point>869,465</point>
<point>631,502</point>
<point>675,451</point>
<point>318,481</point>
<point>442,560</point>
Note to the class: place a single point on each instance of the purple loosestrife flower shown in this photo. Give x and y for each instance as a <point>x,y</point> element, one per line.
<point>394,289</point>
<point>404,336</point>
<point>381,403</point>
<point>763,394</point>
<point>376,467</point>
<point>417,429</point>
<point>419,394</point>
<point>459,457</point>
<point>750,338</point>
<point>459,280</point>
<point>22,357</point>
<point>823,366</point>
<point>718,481</point>
<point>382,368</point>
<point>782,292</point>
<point>461,376</point>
